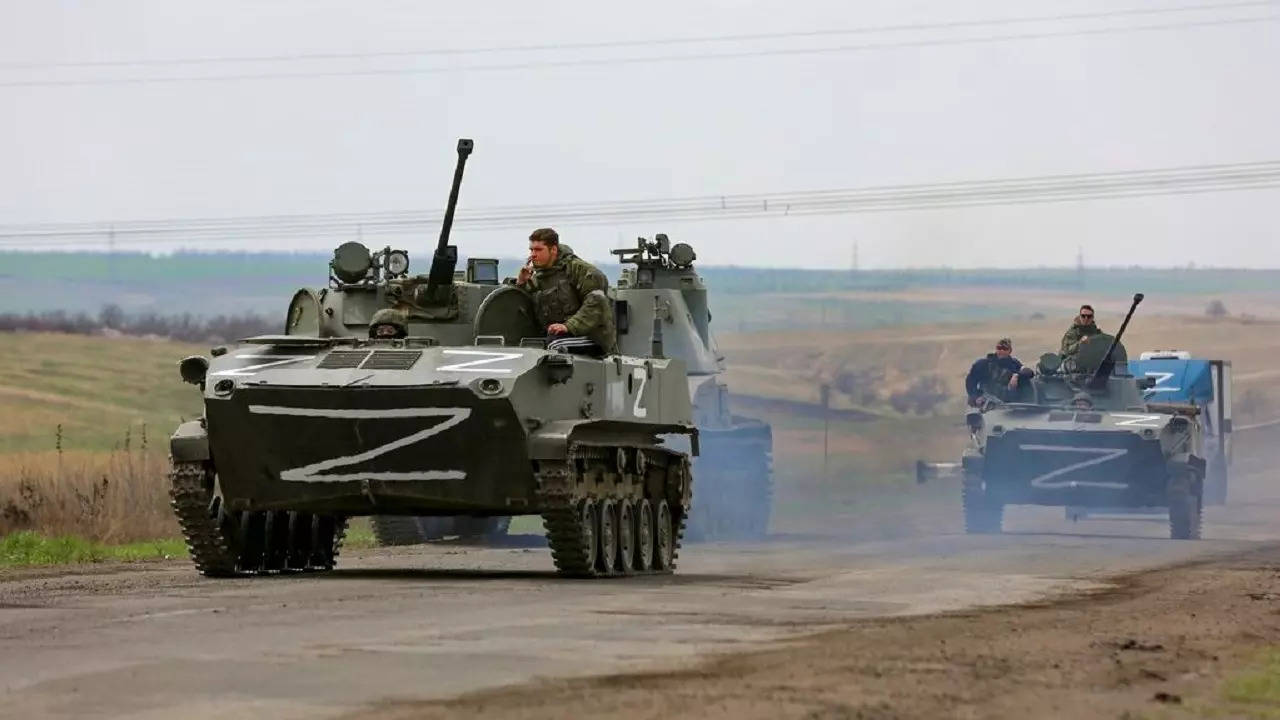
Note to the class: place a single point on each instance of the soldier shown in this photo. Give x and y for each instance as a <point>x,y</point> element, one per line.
<point>388,323</point>
<point>998,374</point>
<point>1080,331</point>
<point>568,294</point>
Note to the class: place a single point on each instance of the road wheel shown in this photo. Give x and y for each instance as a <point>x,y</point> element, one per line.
<point>983,514</point>
<point>607,557</point>
<point>590,536</point>
<point>663,537</point>
<point>1185,506</point>
<point>626,537</point>
<point>644,536</point>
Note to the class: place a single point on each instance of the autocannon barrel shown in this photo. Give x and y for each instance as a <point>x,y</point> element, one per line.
<point>446,256</point>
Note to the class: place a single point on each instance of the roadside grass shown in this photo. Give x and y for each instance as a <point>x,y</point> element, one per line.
<point>1257,688</point>
<point>106,497</point>
<point>26,548</point>
<point>359,535</point>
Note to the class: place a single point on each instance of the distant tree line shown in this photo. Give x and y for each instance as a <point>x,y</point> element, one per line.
<point>112,319</point>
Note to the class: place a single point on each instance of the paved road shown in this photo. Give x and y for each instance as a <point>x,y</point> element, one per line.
<point>159,642</point>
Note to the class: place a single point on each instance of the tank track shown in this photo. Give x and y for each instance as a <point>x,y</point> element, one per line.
<point>1186,506</point>
<point>232,544</point>
<point>575,549</point>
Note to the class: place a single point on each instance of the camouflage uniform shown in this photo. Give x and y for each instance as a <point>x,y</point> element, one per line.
<point>573,292</point>
<point>1072,337</point>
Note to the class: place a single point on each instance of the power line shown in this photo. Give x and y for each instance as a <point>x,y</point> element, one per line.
<point>637,60</point>
<point>651,42</point>
<point>1014,191</point>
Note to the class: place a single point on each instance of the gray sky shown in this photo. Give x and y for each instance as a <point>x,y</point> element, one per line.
<point>764,124</point>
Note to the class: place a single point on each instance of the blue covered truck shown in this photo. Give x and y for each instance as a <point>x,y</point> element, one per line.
<point>1181,379</point>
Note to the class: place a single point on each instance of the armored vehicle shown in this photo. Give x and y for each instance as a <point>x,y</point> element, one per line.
<point>400,395</point>
<point>735,463</point>
<point>1080,434</point>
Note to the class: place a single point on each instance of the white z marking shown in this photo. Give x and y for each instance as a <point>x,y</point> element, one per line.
<point>251,369</point>
<point>1101,455</point>
<point>1137,420</point>
<point>1160,378</point>
<point>642,377</point>
<point>474,365</point>
<point>311,473</point>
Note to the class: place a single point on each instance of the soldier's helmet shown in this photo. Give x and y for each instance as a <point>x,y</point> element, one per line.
<point>388,323</point>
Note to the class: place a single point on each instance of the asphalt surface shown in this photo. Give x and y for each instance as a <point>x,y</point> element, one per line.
<point>157,641</point>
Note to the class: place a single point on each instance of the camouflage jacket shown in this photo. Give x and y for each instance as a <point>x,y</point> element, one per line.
<point>1072,337</point>
<point>573,292</point>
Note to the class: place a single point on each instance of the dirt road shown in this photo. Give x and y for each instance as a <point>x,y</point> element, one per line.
<point>160,642</point>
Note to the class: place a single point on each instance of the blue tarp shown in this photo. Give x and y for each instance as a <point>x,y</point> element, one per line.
<point>1177,381</point>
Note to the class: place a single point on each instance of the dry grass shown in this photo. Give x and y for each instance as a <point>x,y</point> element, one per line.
<point>113,497</point>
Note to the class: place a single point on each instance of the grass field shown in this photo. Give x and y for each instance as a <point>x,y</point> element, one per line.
<point>105,393</point>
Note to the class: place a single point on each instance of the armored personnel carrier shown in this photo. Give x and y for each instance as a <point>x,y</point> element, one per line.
<point>735,463</point>
<point>417,396</point>
<point>1081,435</point>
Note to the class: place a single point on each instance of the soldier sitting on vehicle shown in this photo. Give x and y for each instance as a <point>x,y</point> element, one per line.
<point>569,296</point>
<point>999,374</point>
<point>388,323</point>
<point>1082,328</point>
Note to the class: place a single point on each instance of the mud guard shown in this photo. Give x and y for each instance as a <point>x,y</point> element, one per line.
<point>551,441</point>
<point>190,442</point>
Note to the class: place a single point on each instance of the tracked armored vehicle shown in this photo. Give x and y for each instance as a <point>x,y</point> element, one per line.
<point>1081,435</point>
<point>735,464</point>
<point>460,411</point>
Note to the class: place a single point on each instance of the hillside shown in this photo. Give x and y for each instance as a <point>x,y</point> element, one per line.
<point>97,388</point>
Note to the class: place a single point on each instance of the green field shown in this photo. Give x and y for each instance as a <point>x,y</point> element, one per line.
<point>99,390</point>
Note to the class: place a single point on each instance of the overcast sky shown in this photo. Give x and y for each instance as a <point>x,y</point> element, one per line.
<point>914,113</point>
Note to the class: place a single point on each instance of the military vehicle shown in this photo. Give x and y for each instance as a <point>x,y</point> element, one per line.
<point>735,463</point>
<point>400,395</point>
<point>1079,434</point>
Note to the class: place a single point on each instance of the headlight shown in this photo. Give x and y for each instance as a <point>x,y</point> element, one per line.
<point>398,262</point>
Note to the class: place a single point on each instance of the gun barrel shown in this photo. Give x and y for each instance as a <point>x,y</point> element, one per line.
<point>464,149</point>
<point>1104,368</point>
<point>445,258</point>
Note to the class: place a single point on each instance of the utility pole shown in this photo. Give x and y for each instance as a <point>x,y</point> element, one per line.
<point>1079,266</point>
<point>855,256</point>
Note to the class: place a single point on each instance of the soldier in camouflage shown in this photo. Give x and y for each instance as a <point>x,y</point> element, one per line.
<point>388,323</point>
<point>1079,333</point>
<point>569,294</point>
